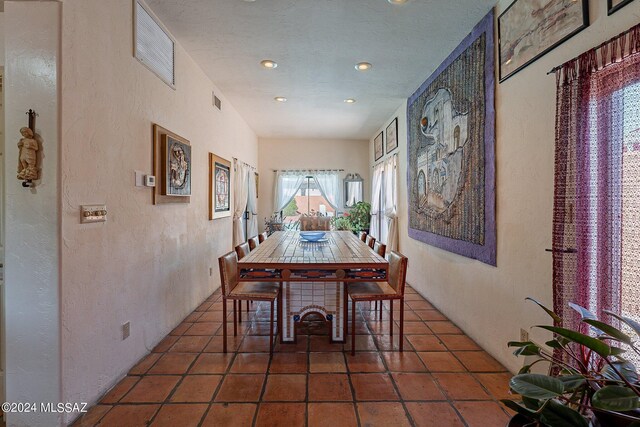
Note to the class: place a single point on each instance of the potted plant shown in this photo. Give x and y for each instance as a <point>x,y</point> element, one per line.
<point>341,223</point>
<point>360,217</point>
<point>590,379</point>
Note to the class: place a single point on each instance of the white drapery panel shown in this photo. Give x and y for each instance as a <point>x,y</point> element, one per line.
<point>252,204</point>
<point>240,198</point>
<point>287,184</point>
<point>329,184</point>
<point>391,201</point>
<point>376,188</point>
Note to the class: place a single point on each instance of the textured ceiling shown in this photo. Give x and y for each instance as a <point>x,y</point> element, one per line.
<point>316,44</point>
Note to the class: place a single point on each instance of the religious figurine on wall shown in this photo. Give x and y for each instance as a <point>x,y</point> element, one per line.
<point>28,159</point>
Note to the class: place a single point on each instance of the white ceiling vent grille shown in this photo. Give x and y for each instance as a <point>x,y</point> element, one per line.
<point>154,46</point>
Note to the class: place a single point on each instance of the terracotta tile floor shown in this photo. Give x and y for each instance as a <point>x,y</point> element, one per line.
<point>442,379</point>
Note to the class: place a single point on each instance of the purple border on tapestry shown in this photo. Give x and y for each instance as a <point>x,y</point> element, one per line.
<point>487,252</point>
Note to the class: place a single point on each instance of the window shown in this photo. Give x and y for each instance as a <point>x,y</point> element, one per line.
<point>154,46</point>
<point>308,200</point>
<point>596,219</point>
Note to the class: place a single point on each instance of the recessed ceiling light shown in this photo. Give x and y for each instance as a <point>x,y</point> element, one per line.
<point>397,1</point>
<point>350,101</point>
<point>363,66</point>
<point>280,99</point>
<point>268,63</point>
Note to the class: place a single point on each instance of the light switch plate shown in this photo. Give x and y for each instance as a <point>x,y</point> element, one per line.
<point>93,213</point>
<point>139,178</point>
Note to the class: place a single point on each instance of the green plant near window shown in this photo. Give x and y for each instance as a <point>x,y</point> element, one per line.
<point>360,216</point>
<point>291,209</point>
<point>591,381</point>
<point>341,223</point>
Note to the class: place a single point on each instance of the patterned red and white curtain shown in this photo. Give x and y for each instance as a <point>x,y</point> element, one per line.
<point>596,217</point>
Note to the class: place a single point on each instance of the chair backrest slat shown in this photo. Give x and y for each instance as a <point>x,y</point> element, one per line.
<point>363,236</point>
<point>371,241</point>
<point>254,242</point>
<point>228,264</point>
<point>262,237</point>
<point>243,250</point>
<point>380,249</point>
<point>397,271</point>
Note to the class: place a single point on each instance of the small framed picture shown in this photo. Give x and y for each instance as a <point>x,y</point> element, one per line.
<point>392,135</point>
<point>219,187</point>
<point>615,5</point>
<point>378,148</point>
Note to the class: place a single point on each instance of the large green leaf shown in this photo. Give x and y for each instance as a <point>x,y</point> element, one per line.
<point>529,350</point>
<point>609,330</point>
<point>554,316</point>
<point>557,415</point>
<point>615,398</point>
<point>572,382</point>
<point>584,313</point>
<point>593,343</point>
<point>630,322</point>
<point>536,386</point>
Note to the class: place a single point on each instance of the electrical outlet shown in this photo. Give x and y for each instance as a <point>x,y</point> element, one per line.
<point>524,335</point>
<point>126,330</point>
<point>210,271</point>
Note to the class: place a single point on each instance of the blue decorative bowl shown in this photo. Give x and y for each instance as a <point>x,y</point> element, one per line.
<point>312,236</point>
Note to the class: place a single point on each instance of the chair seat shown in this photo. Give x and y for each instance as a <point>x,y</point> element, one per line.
<point>371,290</point>
<point>255,290</point>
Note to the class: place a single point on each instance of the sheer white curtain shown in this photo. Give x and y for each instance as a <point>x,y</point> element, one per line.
<point>329,184</point>
<point>241,196</point>
<point>252,204</point>
<point>391,201</point>
<point>287,184</point>
<point>376,188</point>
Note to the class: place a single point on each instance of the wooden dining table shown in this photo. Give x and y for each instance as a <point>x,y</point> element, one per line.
<point>314,275</point>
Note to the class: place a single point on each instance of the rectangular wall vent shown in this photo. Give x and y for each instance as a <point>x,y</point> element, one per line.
<point>154,46</point>
<point>216,101</point>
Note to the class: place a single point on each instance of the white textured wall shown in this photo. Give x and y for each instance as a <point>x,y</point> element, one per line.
<point>350,155</point>
<point>147,264</point>
<point>32,215</point>
<point>487,302</point>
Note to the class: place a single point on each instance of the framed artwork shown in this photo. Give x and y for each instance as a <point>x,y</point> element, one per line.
<point>392,135</point>
<point>171,166</point>
<point>529,29</point>
<point>615,5</point>
<point>450,148</point>
<point>378,149</point>
<point>176,166</point>
<point>219,187</point>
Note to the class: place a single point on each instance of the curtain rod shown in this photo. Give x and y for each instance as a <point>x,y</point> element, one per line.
<point>635,28</point>
<point>308,170</point>
<point>244,163</point>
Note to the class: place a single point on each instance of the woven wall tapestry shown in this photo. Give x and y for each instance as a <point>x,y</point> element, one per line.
<point>451,136</point>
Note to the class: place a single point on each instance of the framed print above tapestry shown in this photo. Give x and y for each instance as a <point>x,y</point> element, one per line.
<point>451,139</point>
<point>171,166</point>
<point>615,5</point>
<point>392,135</point>
<point>378,149</point>
<point>219,187</point>
<point>529,29</point>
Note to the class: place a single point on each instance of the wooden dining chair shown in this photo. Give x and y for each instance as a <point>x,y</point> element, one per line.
<point>363,236</point>
<point>254,242</point>
<point>245,291</point>
<point>391,290</point>
<point>380,249</point>
<point>262,237</point>
<point>370,241</point>
<point>242,250</point>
